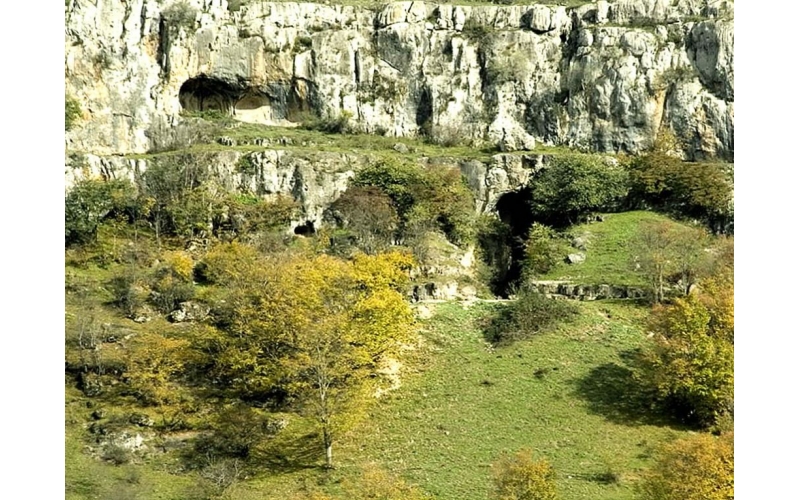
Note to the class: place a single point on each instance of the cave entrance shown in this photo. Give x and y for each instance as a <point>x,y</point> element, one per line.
<point>305,229</point>
<point>206,94</point>
<point>514,210</point>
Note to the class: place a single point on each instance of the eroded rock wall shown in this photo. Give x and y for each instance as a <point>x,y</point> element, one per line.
<point>605,76</point>
<point>314,180</point>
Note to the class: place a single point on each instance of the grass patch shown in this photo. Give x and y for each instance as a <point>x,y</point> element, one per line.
<point>253,137</point>
<point>609,251</point>
<point>444,428</point>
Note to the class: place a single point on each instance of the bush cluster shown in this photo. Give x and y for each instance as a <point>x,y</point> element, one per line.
<point>531,313</point>
<point>574,185</point>
<point>423,198</point>
<point>696,190</point>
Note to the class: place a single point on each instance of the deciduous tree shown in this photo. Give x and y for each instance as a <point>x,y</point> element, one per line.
<point>699,467</point>
<point>689,364</point>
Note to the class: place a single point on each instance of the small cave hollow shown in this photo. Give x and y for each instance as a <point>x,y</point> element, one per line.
<point>305,229</point>
<point>203,93</point>
<point>514,210</point>
<point>254,107</point>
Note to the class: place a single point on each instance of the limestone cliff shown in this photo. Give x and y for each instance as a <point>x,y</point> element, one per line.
<point>313,179</point>
<point>604,76</point>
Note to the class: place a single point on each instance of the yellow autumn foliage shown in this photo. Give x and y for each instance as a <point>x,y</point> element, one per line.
<point>694,468</point>
<point>180,263</point>
<point>311,326</point>
<point>520,477</point>
<point>153,363</point>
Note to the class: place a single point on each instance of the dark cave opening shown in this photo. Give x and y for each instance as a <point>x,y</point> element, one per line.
<point>203,93</point>
<point>514,211</point>
<point>305,229</point>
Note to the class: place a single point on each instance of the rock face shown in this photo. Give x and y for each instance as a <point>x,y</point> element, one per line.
<point>313,179</point>
<point>605,76</point>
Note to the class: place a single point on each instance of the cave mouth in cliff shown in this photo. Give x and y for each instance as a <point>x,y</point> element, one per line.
<point>305,229</point>
<point>514,209</point>
<point>204,93</point>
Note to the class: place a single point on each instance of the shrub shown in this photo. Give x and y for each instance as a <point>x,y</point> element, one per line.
<point>242,214</point>
<point>543,250</point>
<point>335,124</point>
<point>236,5</point>
<point>574,185</point>
<point>72,112</point>
<point>368,215</point>
<point>699,467</point>
<point>531,313</point>
<point>474,31</point>
<point>235,431</point>
<point>128,292</point>
<point>520,477</point>
<point>180,15</point>
<point>172,282</point>
<point>197,129</point>
<point>302,43</point>
<point>374,482</point>
<point>116,454</point>
<point>89,202</point>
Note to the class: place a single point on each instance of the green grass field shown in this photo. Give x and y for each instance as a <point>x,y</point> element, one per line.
<point>554,394</point>
<point>610,250</point>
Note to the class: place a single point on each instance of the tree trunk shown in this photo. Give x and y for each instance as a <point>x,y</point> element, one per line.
<point>329,456</point>
<point>660,294</point>
<point>326,439</point>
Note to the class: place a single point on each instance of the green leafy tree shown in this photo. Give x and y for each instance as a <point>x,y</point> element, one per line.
<point>543,250</point>
<point>689,364</point>
<point>574,185</point>
<point>698,190</point>
<point>91,201</point>
<point>424,198</point>
<point>520,477</point>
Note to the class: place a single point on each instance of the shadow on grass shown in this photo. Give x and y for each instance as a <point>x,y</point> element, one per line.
<point>612,391</point>
<point>294,454</point>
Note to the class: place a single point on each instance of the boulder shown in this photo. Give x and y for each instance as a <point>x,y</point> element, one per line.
<point>580,242</point>
<point>189,311</point>
<point>575,258</point>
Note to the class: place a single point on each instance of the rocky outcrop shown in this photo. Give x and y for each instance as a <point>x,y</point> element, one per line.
<point>605,76</point>
<point>570,290</point>
<point>313,179</point>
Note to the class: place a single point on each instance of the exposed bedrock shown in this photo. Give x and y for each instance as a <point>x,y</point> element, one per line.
<point>605,76</point>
